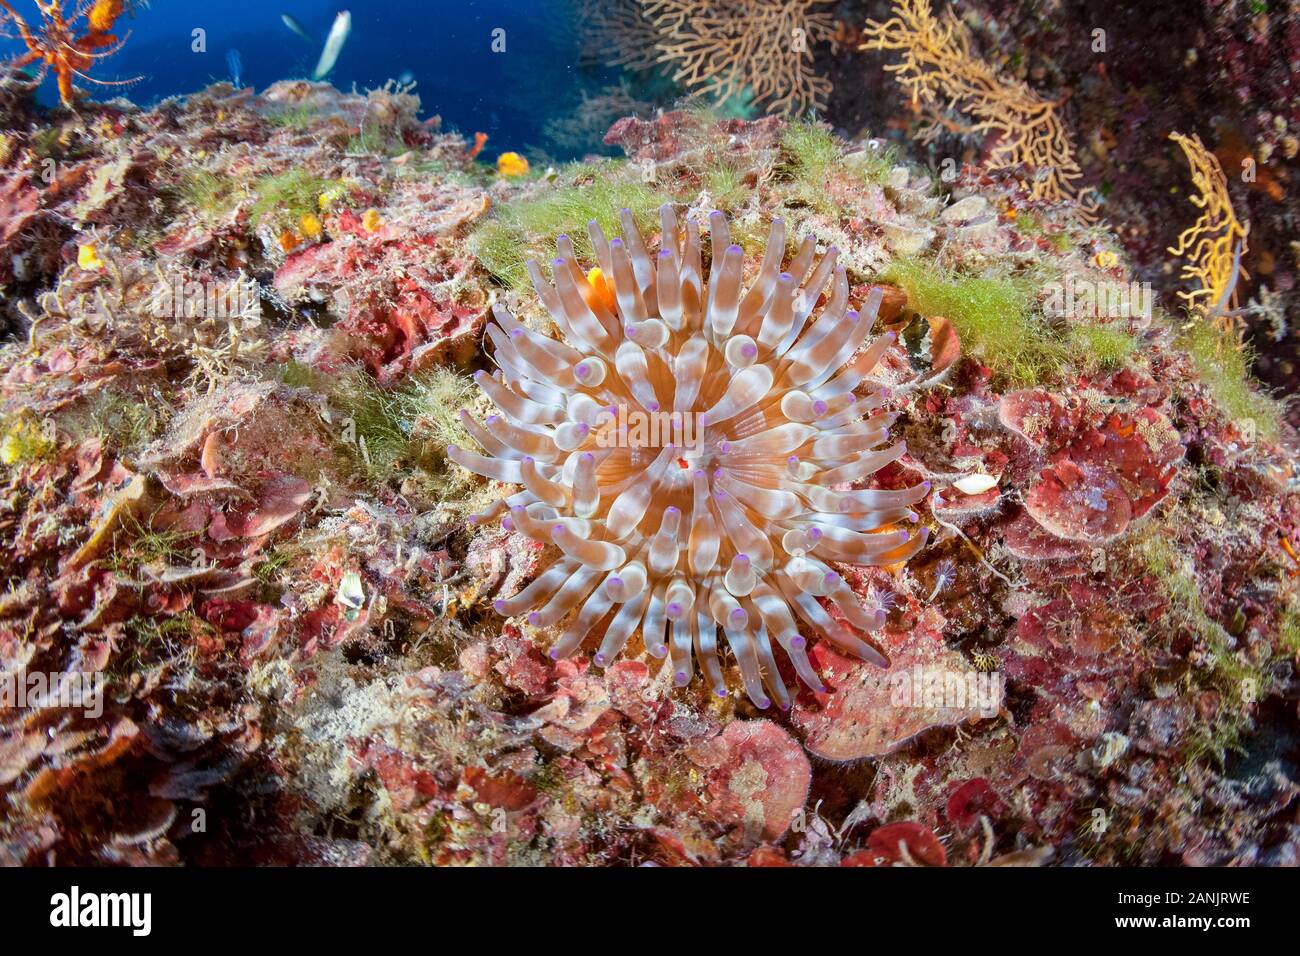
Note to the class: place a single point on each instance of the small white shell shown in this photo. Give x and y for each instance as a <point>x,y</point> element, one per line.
<point>975,484</point>
<point>351,595</point>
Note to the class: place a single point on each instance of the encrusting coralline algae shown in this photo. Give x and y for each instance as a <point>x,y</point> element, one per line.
<point>254,527</point>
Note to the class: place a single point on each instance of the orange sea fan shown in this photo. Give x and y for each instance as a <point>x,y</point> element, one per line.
<point>725,48</point>
<point>692,447</point>
<point>940,70</point>
<point>1214,244</point>
<point>617,33</point>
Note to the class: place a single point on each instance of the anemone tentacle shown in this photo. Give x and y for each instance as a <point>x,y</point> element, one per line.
<point>695,449</point>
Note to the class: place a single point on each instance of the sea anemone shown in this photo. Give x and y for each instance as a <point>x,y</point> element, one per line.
<point>689,448</point>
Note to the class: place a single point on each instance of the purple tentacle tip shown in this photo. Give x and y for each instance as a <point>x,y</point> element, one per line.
<point>598,659</point>
<point>499,607</point>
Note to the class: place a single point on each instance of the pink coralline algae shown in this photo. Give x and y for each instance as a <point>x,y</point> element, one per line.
<point>1102,470</point>
<point>871,714</point>
<point>394,288</point>
<point>723,521</point>
<point>260,549</point>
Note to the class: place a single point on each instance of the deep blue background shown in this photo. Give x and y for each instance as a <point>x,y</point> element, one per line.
<point>444,45</point>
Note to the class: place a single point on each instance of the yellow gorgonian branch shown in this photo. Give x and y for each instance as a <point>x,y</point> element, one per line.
<point>941,72</point>
<point>1214,244</point>
<point>727,48</point>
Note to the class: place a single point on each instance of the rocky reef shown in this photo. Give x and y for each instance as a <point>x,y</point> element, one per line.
<point>241,329</point>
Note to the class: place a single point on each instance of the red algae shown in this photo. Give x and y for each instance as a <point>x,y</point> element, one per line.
<point>230,500</point>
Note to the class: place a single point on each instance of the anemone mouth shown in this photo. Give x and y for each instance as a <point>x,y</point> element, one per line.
<point>695,447</point>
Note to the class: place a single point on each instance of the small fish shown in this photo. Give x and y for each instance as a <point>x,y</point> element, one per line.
<point>333,44</point>
<point>1231,285</point>
<point>235,63</point>
<point>296,27</point>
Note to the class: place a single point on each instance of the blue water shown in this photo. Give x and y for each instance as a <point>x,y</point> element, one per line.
<point>445,46</point>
